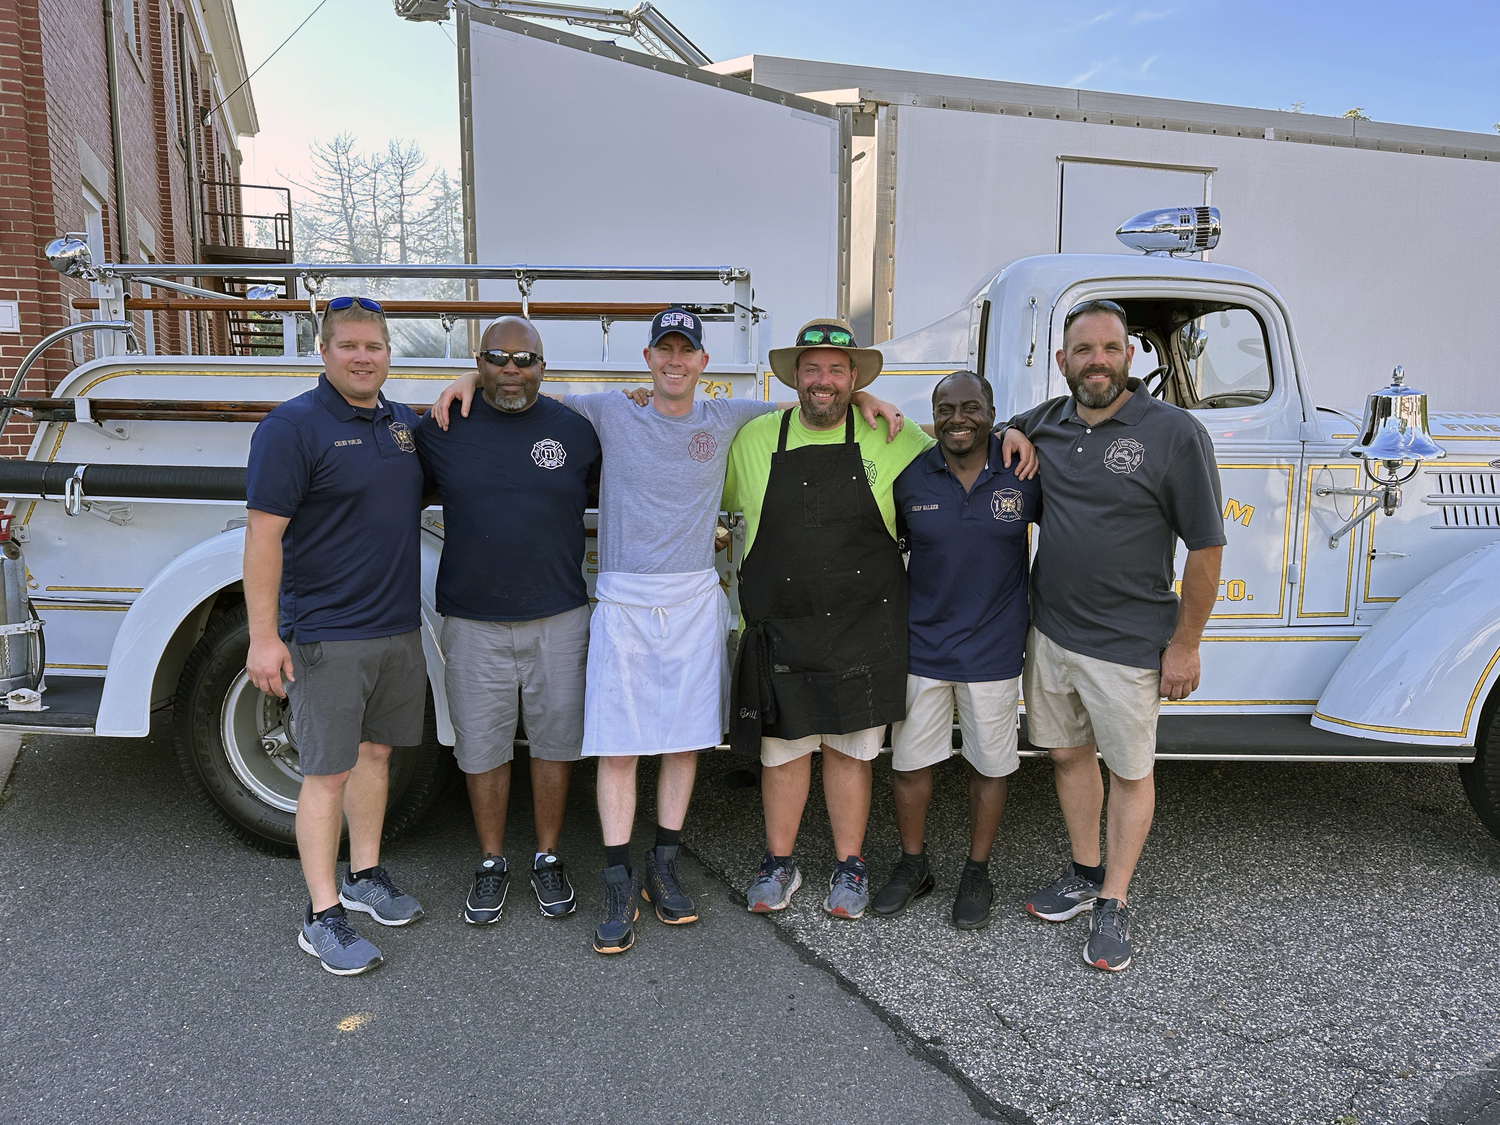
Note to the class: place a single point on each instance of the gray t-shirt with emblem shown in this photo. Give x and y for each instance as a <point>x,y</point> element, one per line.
<point>1117,497</point>
<point>662,478</point>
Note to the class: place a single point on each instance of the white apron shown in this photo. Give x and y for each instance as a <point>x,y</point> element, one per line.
<point>658,674</point>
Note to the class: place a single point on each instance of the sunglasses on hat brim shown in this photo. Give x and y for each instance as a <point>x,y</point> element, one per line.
<point>827,335</point>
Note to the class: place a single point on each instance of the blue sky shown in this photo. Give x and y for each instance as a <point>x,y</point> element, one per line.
<point>356,67</point>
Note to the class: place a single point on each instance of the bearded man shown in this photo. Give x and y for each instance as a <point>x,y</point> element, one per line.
<point>1123,476</point>
<point>822,662</point>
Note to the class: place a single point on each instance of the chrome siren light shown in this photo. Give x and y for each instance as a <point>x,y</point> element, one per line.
<point>1172,231</point>
<point>70,256</point>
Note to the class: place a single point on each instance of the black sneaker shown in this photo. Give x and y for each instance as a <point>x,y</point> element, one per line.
<point>661,886</point>
<point>1108,947</point>
<point>487,896</point>
<point>976,898</point>
<point>616,930</point>
<point>910,879</point>
<point>554,893</point>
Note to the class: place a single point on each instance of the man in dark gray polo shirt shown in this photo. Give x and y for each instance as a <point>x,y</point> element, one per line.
<point>1124,476</point>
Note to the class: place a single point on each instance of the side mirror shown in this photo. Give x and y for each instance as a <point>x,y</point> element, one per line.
<point>1193,338</point>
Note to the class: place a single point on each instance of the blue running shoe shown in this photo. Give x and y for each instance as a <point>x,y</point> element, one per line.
<point>380,898</point>
<point>774,885</point>
<point>334,943</point>
<point>848,890</point>
<point>616,930</point>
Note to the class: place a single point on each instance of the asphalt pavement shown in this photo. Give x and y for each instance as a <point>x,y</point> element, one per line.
<point>1315,943</point>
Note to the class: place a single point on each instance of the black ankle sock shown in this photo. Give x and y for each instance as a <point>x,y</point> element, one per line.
<point>918,854</point>
<point>617,855</point>
<point>356,876</point>
<point>668,837</point>
<point>982,864</point>
<point>319,915</point>
<point>1093,874</point>
<point>784,860</point>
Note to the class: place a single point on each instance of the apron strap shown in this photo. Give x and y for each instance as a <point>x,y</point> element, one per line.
<point>786,421</point>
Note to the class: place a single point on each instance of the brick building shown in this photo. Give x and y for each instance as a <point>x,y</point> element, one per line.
<point>177,143</point>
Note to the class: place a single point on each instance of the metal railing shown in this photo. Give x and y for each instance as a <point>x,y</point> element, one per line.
<point>263,224</point>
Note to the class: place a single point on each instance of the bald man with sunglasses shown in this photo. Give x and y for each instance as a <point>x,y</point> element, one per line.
<point>515,474</point>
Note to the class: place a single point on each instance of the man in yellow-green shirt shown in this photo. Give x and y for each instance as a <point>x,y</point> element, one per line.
<point>822,663</point>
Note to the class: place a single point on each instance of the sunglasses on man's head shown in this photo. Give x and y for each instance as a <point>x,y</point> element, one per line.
<point>520,359</point>
<point>340,303</point>
<point>825,334</point>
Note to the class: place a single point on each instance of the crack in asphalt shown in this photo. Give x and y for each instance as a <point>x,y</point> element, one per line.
<point>915,1044</point>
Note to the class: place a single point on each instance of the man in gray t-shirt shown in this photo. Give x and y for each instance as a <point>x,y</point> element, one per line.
<point>1123,476</point>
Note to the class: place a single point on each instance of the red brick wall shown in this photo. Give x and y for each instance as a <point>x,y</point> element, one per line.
<point>54,90</point>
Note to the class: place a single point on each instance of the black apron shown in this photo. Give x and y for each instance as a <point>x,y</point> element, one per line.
<point>823,593</point>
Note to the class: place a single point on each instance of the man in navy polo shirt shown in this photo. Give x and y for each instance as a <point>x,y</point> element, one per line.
<point>515,474</point>
<point>964,517</point>
<point>334,492</point>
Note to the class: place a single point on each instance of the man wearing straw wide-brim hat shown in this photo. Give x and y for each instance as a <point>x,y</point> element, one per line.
<point>822,663</point>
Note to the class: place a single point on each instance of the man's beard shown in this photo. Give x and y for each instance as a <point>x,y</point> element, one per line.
<point>824,416</point>
<point>1098,400</point>
<point>511,404</point>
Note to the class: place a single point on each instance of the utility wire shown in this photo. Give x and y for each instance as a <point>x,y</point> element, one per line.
<point>207,113</point>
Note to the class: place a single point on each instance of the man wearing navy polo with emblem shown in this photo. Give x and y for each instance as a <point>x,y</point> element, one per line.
<point>515,475</point>
<point>964,517</point>
<point>334,492</point>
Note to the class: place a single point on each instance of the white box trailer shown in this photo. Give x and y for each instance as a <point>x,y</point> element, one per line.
<point>892,195</point>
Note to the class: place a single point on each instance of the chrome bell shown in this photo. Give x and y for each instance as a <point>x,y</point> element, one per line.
<point>1395,426</point>
<point>70,256</point>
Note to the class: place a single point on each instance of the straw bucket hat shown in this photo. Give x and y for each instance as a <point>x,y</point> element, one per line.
<point>827,332</point>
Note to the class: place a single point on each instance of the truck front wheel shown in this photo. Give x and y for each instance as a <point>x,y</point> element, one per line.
<point>1481,777</point>
<point>237,756</point>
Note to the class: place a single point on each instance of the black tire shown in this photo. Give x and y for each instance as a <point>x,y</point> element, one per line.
<point>1481,777</point>
<point>250,791</point>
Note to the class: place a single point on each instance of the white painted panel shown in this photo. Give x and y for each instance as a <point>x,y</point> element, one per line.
<point>1378,254</point>
<point>1097,198</point>
<point>585,160</point>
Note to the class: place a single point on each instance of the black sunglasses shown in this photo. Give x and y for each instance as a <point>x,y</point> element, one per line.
<point>520,359</point>
<point>340,303</point>
<point>825,334</point>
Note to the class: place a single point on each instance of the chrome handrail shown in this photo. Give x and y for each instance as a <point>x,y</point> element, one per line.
<point>46,342</point>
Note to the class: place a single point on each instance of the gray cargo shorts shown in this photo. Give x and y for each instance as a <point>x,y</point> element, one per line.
<point>498,671</point>
<point>348,692</point>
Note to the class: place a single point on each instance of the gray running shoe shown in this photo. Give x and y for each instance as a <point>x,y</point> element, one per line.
<point>1067,898</point>
<point>554,893</point>
<point>486,898</point>
<point>976,899</point>
<point>380,898</point>
<point>334,943</point>
<point>1108,947</point>
<point>910,879</point>
<point>848,890</point>
<point>615,932</point>
<point>774,885</point>
<point>661,885</point>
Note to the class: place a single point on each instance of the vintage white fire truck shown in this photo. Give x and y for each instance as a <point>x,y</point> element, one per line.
<point>1358,618</point>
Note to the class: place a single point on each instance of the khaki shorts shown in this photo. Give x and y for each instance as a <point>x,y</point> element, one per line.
<point>863,745</point>
<point>1073,700</point>
<point>986,716</point>
<point>498,671</point>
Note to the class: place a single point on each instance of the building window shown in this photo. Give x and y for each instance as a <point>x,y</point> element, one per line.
<point>127,16</point>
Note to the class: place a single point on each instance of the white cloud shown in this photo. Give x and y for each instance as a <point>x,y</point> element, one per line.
<point>1146,15</point>
<point>1145,66</point>
<point>1080,79</point>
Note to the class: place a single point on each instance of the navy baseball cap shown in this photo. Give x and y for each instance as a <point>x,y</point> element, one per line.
<point>677,319</point>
